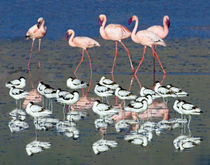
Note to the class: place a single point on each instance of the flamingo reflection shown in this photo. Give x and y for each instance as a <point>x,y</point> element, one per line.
<point>33,95</point>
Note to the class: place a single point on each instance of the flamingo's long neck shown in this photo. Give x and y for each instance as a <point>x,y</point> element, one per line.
<point>42,24</point>
<point>102,29</point>
<point>165,28</point>
<point>71,42</point>
<point>133,34</point>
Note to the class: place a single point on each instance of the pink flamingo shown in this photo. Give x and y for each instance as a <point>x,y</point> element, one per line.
<point>37,31</point>
<point>161,31</point>
<point>146,38</point>
<point>115,32</point>
<point>84,43</point>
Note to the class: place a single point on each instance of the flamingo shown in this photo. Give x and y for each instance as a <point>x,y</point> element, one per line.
<point>37,31</point>
<point>145,38</point>
<point>161,31</point>
<point>84,43</point>
<point>115,32</point>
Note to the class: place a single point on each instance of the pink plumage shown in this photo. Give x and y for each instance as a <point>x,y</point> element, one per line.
<point>115,32</point>
<point>161,31</point>
<point>37,31</point>
<point>83,43</point>
<point>146,38</point>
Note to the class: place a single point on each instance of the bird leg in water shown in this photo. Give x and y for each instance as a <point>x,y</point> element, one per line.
<point>32,44</point>
<point>115,57</point>
<point>158,60</point>
<point>79,63</point>
<point>29,61</point>
<point>90,73</point>
<point>133,70</point>
<point>39,53</point>
<point>153,55</point>
<point>142,59</point>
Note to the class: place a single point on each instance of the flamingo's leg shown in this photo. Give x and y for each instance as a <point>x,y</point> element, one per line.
<point>39,53</point>
<point>79,63</point>
<point>138,81</point>
<point>153,66</point>
<point>32,44</point>
<point>131,82</point>
<point>131,64</point>
<point>90,73</point>
<point>158,60</point>
<point>142,59</point>
<point>29,61</point>
<point>115,57</point>
<point>112,72</point>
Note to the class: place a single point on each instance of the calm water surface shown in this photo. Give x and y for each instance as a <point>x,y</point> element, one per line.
<point>186,60</point>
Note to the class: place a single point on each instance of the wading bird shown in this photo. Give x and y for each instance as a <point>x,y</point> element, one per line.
<point>37,31</point>
<point>84,43</point>
<point>115,32</point>
<point>145,38</point>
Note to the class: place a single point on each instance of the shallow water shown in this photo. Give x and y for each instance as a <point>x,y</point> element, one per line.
<point>186,60</point>
<point>186,20</point>
<point>187,66</point>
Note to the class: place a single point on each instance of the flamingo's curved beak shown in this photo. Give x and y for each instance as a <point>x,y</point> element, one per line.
<point>129,21</point>
<point>67,36</point>
<point>168,23</point>
<point>99,21</point>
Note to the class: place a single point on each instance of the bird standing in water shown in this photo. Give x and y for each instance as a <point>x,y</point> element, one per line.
<point>37,31</point>
<point>161,31</point>
<point>115,32</point>
<point>145,38</point>
<point>84,43</point>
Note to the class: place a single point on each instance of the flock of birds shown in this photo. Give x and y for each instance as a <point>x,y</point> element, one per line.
<point>129,111</point>
<point>150,37</point>
<point>138,131</point>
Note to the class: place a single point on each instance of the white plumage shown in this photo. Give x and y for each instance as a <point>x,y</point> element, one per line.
<point>179,92</point>
<point>74,83</point>
<point>17,125</point>
<point>17,83</point>
<point>68,129</point>
<point>146,91</point>
<point>163,91</point>
<point>124,124</point>
<point>103,91</point>
<point>185,142</point>
<point>108,83</point>
<point>36,147</point>
<point>103,109</point>
<point>45,123</point>
<point>65,97</point>
<point>37,110</point>
<point>75,115</point>
<point>137,139</point>
<point>18,114</point>
<point>186,108</point>
<point>137,107</point>
<point>17,93</point>
<point>124,94</point>
<point>103,145</point>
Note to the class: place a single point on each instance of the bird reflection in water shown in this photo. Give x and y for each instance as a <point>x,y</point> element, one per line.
<point>33,95</point>
<point>157,109</point>
<point>83,103</point>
